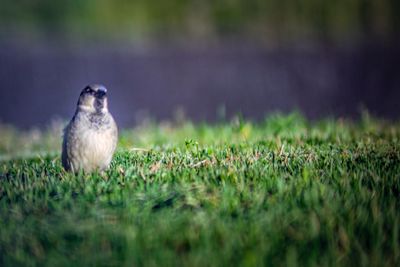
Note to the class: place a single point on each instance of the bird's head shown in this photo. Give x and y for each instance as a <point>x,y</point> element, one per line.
<point>93,99</point>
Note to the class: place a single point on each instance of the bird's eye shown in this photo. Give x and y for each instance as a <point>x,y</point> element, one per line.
<point>87,89</point>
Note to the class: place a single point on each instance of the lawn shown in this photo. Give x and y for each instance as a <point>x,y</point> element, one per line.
<point>281,192</point>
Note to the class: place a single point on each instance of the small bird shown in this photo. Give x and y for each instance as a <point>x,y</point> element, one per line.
<point>91,136</point>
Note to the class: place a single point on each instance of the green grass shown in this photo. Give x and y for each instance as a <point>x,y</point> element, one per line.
<point>283,192</point>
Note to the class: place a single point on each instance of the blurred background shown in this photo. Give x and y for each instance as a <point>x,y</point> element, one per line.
<point>206,60</point>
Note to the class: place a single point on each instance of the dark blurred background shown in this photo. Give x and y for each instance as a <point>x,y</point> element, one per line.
<point>206,59</point>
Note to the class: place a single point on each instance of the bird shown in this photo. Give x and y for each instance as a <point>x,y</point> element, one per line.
<point>90,138</point>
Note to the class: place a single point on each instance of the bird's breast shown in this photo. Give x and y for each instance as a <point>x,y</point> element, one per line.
<point>97,148</point>
<point>90,147</point>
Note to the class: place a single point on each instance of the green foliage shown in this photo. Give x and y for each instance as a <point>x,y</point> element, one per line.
<point>283,192</point>
<point>265,19</point>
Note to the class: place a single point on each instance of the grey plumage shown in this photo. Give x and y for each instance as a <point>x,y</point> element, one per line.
<point>91,136</point>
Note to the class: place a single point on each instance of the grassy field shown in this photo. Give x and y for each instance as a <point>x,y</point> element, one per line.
<point>283,192</point>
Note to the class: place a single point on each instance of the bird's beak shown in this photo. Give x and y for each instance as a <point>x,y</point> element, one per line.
<point>101,92</point>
